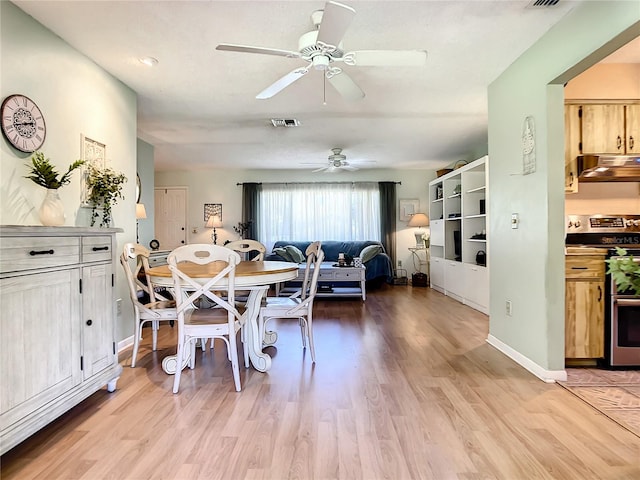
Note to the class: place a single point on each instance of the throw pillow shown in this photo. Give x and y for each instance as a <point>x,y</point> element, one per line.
<point>294,252</point>
<point>369,252</point>
<point>281,251</point>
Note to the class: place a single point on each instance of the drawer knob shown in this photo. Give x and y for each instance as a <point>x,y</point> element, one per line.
<point>89,322</point>
<point>41,252</point>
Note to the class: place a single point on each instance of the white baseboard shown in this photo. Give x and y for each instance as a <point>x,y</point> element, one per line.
<point>549,376</point>
<point>125,343</point>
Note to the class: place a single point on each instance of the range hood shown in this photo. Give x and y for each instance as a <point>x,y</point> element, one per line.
<point>609,168</point>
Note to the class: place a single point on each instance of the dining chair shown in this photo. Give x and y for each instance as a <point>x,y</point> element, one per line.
<point>148,305</point>
<point>223,321</point>
<point>248,246</point>
<point>300,304</point>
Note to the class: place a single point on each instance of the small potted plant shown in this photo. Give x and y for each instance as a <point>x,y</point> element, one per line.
<point>625,271</point>
<point>105,189</point>
<point>44,174</point>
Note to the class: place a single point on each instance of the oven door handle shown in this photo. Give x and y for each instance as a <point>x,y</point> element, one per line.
<point>627,302</point>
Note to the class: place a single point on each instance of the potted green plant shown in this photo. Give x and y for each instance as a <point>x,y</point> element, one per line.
<point>625,271</point>
<point>105,189</point>
<point>43,173</point>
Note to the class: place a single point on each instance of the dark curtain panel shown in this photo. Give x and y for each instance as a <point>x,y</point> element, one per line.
<point>250,199</point>
<point>388,218</point>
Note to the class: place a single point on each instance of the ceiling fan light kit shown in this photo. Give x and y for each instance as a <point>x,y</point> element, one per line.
<point>337,162</point>
<point>323,47</point>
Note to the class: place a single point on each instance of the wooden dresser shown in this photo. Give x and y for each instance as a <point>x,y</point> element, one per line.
<point>57,323</point>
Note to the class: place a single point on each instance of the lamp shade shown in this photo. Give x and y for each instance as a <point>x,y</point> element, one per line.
<point>141,212</point>
<point>419,220</point>
<point>214,221</point>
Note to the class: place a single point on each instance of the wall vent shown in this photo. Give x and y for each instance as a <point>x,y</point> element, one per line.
<point>542,3</point>
<point>285,122</point>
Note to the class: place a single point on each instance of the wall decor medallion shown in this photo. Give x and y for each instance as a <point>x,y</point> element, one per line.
<point>528,145</point>
<point>23,123</point>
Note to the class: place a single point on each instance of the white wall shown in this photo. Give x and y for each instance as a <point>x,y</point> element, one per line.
<point>76,97</point>
<point>527,264</point>
<point>220,186</point>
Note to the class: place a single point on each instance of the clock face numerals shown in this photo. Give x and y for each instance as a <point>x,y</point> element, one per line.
<point>23,123</point>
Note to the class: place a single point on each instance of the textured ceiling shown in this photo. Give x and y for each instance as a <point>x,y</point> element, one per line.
<point>198,105</point>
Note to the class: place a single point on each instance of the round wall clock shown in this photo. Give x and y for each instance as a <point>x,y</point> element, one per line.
<point>23,123</point>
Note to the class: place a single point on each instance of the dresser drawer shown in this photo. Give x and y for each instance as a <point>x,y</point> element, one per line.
<point>348,275</point>
<point>27,253</point>
<point>96,249</point>
<point>584,266</point>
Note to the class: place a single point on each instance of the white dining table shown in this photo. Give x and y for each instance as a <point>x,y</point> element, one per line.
<point>254,276</point>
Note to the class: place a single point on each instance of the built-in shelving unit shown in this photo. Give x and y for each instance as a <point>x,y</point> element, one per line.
<point>458,215</point>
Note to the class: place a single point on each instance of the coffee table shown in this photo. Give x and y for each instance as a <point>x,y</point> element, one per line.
<point>332,281</point>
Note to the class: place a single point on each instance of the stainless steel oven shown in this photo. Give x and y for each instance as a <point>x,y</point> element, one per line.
<point>622,311</point>
<point>624,342</point>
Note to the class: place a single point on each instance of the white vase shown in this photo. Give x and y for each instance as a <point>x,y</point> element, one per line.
<point>52,209</point>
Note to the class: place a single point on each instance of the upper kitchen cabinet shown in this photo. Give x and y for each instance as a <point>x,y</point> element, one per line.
<point>610,128</point>
<point>572,139</point>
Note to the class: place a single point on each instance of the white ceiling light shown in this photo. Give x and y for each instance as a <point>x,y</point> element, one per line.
<point>149,61</point>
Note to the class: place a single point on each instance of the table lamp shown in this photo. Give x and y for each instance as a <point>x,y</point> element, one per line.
<point>214,221</point>
<point>419,220</point>
<point>141,212</point>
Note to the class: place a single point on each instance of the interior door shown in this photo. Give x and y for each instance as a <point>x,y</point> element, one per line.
<point>171,217</point>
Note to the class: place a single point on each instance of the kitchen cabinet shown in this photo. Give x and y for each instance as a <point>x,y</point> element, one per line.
<point>572,138</point>
<point>584,303</point>
<point>57,323</point>
<point>610,129</point>
<point>458,204</point>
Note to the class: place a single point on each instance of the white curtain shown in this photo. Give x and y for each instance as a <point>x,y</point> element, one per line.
<point>319,211</point>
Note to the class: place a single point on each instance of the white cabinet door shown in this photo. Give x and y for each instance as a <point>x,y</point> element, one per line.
<point>476,287</point>
<point>97,324</point>
<point>437,232</point>
<point>454,279</point>
<point>39,341</point>
<point>437,273</point>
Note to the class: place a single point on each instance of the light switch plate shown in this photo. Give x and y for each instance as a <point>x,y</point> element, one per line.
<point>515,220</point>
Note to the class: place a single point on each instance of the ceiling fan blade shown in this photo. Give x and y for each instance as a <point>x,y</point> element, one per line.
<point>350,168</point>
<point>336,18</point>
<point>282,83</point>
<point>346,86</point>
<point>230,47</point>
<point>387,58</point>
<point>319,170</point>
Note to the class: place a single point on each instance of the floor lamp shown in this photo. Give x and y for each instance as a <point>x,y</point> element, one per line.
<point>214,222</point>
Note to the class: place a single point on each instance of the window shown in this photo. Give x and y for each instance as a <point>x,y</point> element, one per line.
<point>312,211</point>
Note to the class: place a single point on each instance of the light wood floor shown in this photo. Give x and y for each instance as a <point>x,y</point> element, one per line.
<point>404,387</point>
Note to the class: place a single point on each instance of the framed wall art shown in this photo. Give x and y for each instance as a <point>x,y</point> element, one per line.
<point>407,208</point>
<point>94,154</point>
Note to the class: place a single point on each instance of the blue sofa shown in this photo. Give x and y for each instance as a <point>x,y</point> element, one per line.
<point>379,268</point>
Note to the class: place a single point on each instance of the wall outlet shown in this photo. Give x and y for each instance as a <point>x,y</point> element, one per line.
<point>509,308</point>
<point>119,306</point>
<point>399,263</point>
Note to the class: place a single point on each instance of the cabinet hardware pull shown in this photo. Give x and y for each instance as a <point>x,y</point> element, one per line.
<point>619,142</point>
<point>579,268</point>
<point>89,322</point>
<point>631,142</point>
<point>599,293</point>
<point>97,249</point>
<point>41,252</point>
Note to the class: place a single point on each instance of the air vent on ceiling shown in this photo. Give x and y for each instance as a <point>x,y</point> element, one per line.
<point>542,3</point>
<point>285,122</point>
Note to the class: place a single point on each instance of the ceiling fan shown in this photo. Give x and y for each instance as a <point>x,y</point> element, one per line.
<point>337,162</point>
<point>322,49</point>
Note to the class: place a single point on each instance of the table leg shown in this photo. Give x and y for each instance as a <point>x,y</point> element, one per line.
<point>261,361</point>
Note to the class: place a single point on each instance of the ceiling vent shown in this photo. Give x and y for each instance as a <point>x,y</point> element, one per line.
<point>285,122</point>
<point>542,3</point>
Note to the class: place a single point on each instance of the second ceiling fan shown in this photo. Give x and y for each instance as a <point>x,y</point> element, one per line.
<point>322,49</point>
